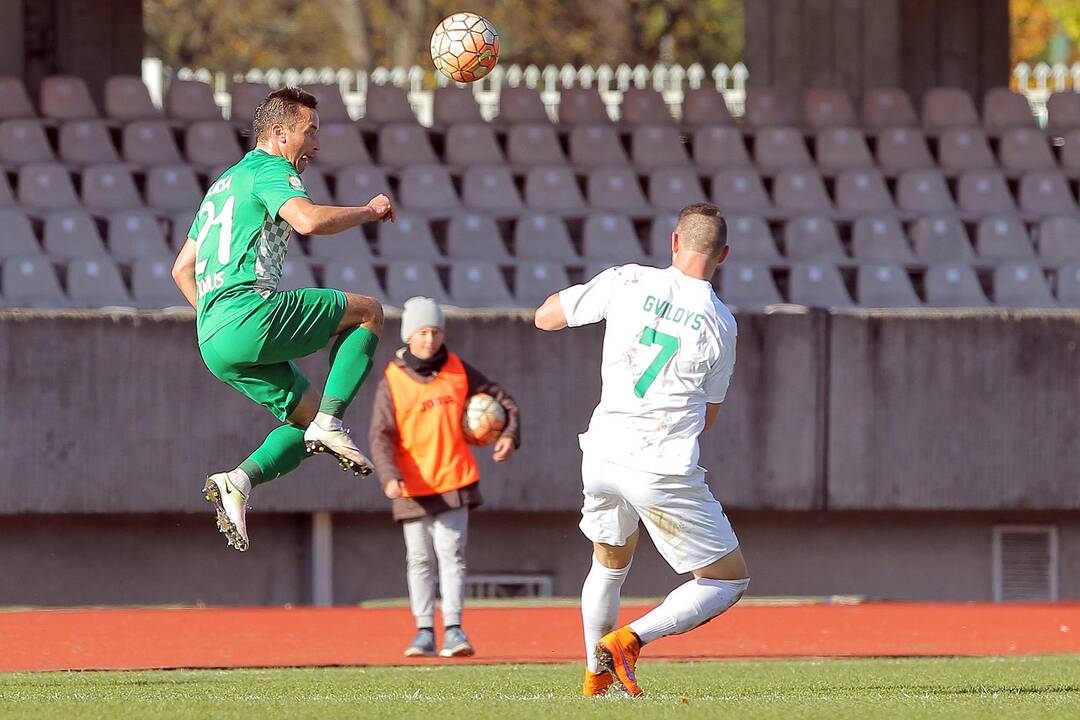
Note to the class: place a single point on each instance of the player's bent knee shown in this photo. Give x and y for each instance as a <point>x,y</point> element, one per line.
<point>362,311</point>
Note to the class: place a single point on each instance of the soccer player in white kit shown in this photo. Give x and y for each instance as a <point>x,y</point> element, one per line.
<point>669,351</point>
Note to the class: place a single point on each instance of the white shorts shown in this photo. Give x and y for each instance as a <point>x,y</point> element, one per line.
<point>686,523</point>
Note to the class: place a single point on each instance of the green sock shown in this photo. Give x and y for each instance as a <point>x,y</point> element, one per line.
<point>351,359</point>
<point>281,453</point>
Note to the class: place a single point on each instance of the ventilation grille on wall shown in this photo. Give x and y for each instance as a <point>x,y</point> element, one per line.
<point>508,586</point>
<point>1025,561</point>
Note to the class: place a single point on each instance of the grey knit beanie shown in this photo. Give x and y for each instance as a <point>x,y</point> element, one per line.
<point>419,313</point>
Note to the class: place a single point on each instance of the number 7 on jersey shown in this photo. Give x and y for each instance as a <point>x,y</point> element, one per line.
<point>669,345</point>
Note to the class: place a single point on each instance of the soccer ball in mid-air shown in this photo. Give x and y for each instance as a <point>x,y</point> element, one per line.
<point>484,419</point>
<point>465,47</point>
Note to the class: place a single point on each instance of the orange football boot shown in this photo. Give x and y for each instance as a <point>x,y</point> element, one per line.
<point>617,653</point>
<point>596,683</point>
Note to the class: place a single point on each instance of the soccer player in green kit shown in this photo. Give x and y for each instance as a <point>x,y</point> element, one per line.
<point>249,332</point>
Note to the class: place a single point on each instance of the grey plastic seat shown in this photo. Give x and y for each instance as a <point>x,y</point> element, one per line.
<point>841,148</point>
<point>152,284</point>
<point>135,234</point>
<point>535,280</point>
<point>1046,192</point>
<point>17,236</point>
<point>95,282</point>
<point>863,191</point>
<point>800,191</point>
<point>409,278</point>
<point>1025,149</point>
<point>828,107</point>
<point>674,188</point>
<point>540,236</point>
<point>1003,238</point>
<point>150,142</point>
<point>1059,239</point>
<point>553,188</point>
<point>491,189</point>
<point>387,104</point>
<point>750,239</point>
<point>453,105</point>
<point>644,106</point>
<point>477,283</point>
<point>941,239</point>
<point>210,143</point>
<point>331,107</point>
<point>1063,112</point>
<point>1004,109</point>
<point>72,234</point>
<point>534,144</point>
<point>658,146</point>
<point>350,244</point>
<point>945,107</point>
<point>1068,285</point>
<point>172,188</point>
<point>472,144</point>
<point>246,97</point>
<point>659,241</point>
<point>740,191</point>
<point>521,104</point>
<point>818,284</point>
<point>315,183</point>
<point>885,285</point>
<point>354,276</point>
<point>1021,285</point>
<point>984,192</point>
<point>924,192</point>
<point>719,146</point>
<point>46,186</point>
<point>191,100</point>
<point>903,148</point>
<point>748,285</point>
<point>953,285</point>
<point>409,237</point>
<point>24,141</point>
<point>705,106</point>
<point>31,282</point>
<point>296,273</point>
<point>127,99</point>
<point>596,146</point>
<point>66,97</point>
<point>428,188</point>
<point>961,148</point>
<point>14,100</point>
<point>402,144</point>
<point>106,188</point>
<point>812,238</point>
<point>780,147</point>
<point>1070,153</point>
<point>87,142</point>
<point>357,184</point>
<point>340,144</point>
<point>582,106</point>
<point>180,223</point>
<point>475,236</point>
<point>880,239</point>
<point>615,188</point>
<point>611,236</point>
<point>7,197</point>
<point>886,107</point>
<point>770,106</point>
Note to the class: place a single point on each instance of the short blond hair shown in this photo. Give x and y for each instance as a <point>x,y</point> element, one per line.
<point>702,228</point>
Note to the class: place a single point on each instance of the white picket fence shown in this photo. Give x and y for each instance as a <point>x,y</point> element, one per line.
<point>672,81</point>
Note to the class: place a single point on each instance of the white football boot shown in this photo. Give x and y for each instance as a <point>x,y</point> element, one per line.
<point>337,442</point>
<point>231,505</point>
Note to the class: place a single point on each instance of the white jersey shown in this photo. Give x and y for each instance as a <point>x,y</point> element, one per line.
<point>669,348</point>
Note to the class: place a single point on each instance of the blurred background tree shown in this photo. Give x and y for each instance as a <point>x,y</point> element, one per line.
<point>1045,30</point>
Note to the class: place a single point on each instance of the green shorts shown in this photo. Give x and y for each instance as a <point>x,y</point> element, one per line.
<point>255,354</point>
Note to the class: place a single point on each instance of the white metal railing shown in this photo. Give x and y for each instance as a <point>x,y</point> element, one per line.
<point>1038,83</point>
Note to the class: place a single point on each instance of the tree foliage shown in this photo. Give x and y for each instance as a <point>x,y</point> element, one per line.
<point>1046,30</point>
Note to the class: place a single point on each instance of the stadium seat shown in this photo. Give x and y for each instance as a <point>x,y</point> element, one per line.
<point>534,144</point>
<point>705,106</point>
<point>880,239</point>
<point>296,273</point>
<point>780,147</point>
<point>535,280</point>
<point>1046,192</point>
<point>357,184</point>
<point>475,236</point>
<point>385,104</point>
<point>1021,285</point>
<point>582,106</point>
<point>152,285</point>
<point>829,108</point>
<point>862,191</point>
<point>941,239</point>
<point>191,100</point>
<point>812,238</point>
<point>150,142</point>
<point>841,148</point>
<point>331,107</point>
<point>24,141</point>
<point>14,100</point>
<point>87,142</point>
<point>719,146</point>
<point>540,236</point>
<point>491,189</point>
<point>46,186</point>
<point>349,244</point>
<point>659,242</point>
<point>818,284</point>
<point>7,198</point>
<point>644,106</point>
<point>409,237</point>
<point>674,188</point>
<point>209,143</point>
<point>903,148</point>
<point>923,191</point>
<point>296,246</point>
<point>658,146</point>
<point>984,191</point>
<point>110,187</point>
<point>615,188</point>
<point>1002,238</point>
<point>1004,109</point>
<point>595,146</point>
<point>521,104</point>
<point>1059,239</point>
<point>750,239</point>
<point>1070,154</point>
<point>611,237</point>
<point>1063,112</point>
<point>885,285</point>
<point>553,188</point>
<point>246,96</point>
<point>946,107</point>
<point>769,106</point>
<point>472,144</point>
<point>16,234</point>
<point>477,283</point>
<point>127,99</point>
<point>72,234</point>
<point>409,278</point>
<point>1068,285</point>
<point>740,191</point>
<point>135,234</point>
<point>428,189</point>
<point>173,188</point>
<point>1025,149</point>
<point>453,105</point>
<point>95,282</point>
<point>354,276</point>
<point>800,191</point>
<point>886,107</point>
<point>961,148</point>
<point>402,144</point>
<point>340,144</point>
<point>748,285</point>
<point>66,97</point>
<point>31,282</point>
<point>315,184</point>
<point>180,223</point>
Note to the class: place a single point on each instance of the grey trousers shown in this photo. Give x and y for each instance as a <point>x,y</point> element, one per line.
<point>439,538</point>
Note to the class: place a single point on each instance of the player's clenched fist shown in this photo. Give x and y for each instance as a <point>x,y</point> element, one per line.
<point>382,208</point>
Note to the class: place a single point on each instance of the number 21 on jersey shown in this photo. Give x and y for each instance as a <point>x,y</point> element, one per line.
<point>223,221</point>
<point>669,345</point>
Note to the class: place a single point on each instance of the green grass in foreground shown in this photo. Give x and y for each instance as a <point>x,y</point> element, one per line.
<point>1045,687</point>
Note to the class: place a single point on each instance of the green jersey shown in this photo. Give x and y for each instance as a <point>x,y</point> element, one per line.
<point>240,241</point>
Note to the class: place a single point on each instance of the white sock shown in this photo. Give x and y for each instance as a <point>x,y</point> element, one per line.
<point>240,481</point>
<point>688,606</point>
<point>600,605</point>
<point>327,422</point>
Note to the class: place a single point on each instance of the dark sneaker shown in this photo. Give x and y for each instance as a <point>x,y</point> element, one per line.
<point>456,644</point>
<point>423,645</point>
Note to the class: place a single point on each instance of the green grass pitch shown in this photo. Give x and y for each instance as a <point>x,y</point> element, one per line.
<point>1043,687</point>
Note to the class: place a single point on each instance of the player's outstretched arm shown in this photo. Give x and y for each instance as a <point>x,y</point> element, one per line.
<point>183,271</point>
<point>307,218</point>
<point>550,316</point>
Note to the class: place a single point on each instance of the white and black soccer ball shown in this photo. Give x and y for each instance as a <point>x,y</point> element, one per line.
<point>465,47</point>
